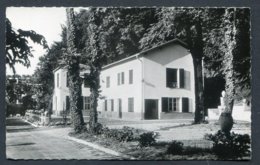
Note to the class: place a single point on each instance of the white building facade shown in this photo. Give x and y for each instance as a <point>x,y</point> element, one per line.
<point>152,84</point>
<point>60,102</point>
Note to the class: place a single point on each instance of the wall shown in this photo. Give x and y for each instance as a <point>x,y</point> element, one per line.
<point>62,91</point>
<point>123,91</point>
<point>155,64</point>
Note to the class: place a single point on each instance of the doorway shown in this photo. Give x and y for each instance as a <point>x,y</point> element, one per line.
<point>151,109</point>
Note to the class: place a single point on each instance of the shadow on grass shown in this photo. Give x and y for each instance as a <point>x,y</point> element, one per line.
<point>21,144</point>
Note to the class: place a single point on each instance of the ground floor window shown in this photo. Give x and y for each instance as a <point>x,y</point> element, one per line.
<point>131,104</point>
<point>112,104</point>
<point>86,103</point>
<point>105,105</point>
<point>170,104</point>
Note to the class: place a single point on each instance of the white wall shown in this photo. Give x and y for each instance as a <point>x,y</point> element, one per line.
<point>155,64</point>
<point>123,91</point>
<point>62,91</point>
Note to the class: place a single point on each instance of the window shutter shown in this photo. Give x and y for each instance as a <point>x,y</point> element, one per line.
<point>185,104</point>
<point>181,78</point>
<point>67,103</point>
<point>164,104</point>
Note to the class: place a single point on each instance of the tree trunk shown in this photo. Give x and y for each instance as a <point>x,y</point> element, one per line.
<point>230,41</point>
<point>199,95</point>
<point>75,95</point>
<point>94,88</point>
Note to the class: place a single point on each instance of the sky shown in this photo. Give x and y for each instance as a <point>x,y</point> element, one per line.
<point>44,21</point>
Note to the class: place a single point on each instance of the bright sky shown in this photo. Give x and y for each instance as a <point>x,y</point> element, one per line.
<point>44,21</point>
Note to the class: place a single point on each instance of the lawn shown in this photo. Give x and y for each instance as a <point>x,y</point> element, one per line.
<point>196,147</point>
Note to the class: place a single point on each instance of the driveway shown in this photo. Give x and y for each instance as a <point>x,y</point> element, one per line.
<point>24,141</point>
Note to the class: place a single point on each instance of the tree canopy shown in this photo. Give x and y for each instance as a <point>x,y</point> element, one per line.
<point>17,48</point>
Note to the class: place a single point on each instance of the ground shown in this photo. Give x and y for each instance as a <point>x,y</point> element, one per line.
<point>24,141</point>
<point>53,142</point>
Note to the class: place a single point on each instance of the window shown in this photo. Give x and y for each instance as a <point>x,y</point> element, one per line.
<point>86,82</point>
<point>130,76</point>
<point>122,78</point>
<point>170,104</point>
<point>112,105</point>
<point>174,78</point>
<point>118,79</point>
<point>105,105</point>
<point>58,79</point>
<point>107,81</point>
<point>67,103</point>
<point>131,104</point>
<point>171,78</point>
<point>86,103</point>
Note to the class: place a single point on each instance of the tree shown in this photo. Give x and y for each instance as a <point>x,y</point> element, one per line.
<point>72,60</point>
<point>17,49</point>
<point>185,24</point>
<point>236,22</point>
<point>95,61</point>
<point>209,35</point>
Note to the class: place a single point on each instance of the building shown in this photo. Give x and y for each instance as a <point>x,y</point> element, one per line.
<point>61,91</point>
<point>152,84</point>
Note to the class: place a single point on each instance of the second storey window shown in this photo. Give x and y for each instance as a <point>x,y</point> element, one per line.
<point>174,78</point>
<point>122,78</point>
<point>58,79</point>
<point>130,76</point>
<point>107,81</point>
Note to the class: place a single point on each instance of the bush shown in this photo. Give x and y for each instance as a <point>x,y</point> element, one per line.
<point>175,148</point>
<point>98,128</point>
<point>125,134</point>
<point>147,139</point>
<point>228,146</point>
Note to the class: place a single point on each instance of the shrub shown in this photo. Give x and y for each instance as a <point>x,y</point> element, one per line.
<point>125,134</point>
<point>228,146</point>
<point>98,128</point>
<point>175,148</point>
<point>147,139</point>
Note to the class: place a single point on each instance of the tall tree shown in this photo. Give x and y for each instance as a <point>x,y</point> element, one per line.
<point>72,60</point>
<point>185,24</point>
<point>17,49</point>
<point>95,61</point>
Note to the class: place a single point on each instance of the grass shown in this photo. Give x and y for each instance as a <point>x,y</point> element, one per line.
<point>196,149</point>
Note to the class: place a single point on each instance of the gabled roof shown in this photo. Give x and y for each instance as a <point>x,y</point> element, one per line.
<point>144,52</point>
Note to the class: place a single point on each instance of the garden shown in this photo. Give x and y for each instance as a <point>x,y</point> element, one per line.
<point>141,144</point>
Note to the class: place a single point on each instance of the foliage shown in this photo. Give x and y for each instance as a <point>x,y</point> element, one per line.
<point>71,58</point>
<point>17,49</point>
<point>147,139</point>
<point>175,148</point>
<point>122,135</point>
<point>228,146</point>
<point>20,88</point>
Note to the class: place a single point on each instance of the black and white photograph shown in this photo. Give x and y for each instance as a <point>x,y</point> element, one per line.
<point>128,83</point>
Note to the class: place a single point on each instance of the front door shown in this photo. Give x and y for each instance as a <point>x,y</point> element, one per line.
<point>151,109</point>
<point>120,108</point>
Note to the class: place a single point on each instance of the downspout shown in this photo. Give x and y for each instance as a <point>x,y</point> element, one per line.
<point>142,80</point>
